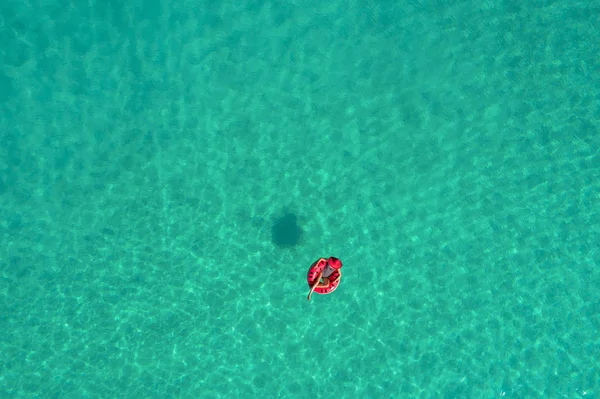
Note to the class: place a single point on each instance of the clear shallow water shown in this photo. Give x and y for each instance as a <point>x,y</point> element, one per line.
<point>447,152</point>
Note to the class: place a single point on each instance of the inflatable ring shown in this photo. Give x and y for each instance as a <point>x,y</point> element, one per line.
<point>313,273</point>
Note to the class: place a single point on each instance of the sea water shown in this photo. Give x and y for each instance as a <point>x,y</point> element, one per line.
<point>446,151</point>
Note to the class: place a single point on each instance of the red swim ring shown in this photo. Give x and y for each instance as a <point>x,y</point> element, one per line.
<point>318,267</point>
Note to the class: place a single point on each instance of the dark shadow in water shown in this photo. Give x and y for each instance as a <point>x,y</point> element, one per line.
<point>285,231</point>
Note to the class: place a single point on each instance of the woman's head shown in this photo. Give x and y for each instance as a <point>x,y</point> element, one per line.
<point>334,263</point>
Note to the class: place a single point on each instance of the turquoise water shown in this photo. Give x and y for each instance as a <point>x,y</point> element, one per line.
<point>447,151</point>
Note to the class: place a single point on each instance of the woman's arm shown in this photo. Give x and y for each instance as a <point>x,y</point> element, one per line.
<point>338,277</point>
